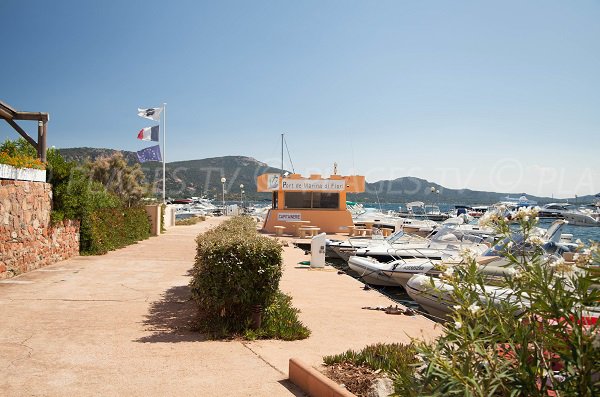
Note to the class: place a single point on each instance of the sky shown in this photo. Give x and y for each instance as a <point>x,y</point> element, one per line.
<point>499,96</point>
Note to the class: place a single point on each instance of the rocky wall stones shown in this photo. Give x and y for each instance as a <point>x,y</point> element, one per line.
<point>27,239</point>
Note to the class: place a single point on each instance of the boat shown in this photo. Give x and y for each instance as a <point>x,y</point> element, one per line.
<point>419,210</point>
<point>446,242</point>
<point>582,218</point>
<point>394,273</point>
<point>435,295</point>
<point>492,262</point>
<point>554,210</point>
<point>343,249</point>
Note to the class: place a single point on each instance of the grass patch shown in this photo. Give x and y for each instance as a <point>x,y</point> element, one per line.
<point>357,370</point>
<point>388,357</point>
<point>190,221</point>
<point>280,321</point>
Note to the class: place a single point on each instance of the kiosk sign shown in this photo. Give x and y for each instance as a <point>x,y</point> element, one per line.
<point>313,184</point>
<point>288,216</point>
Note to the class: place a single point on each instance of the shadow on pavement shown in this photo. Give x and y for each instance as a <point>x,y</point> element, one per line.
<point>292,388</point>
<point>170,319</point>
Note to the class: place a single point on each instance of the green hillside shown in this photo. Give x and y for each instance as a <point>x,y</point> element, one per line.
<point>203,178</point>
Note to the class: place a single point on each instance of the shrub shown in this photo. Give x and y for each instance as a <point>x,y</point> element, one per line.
<point>236,272</point>
<point>105,225</point>
<point>107,229</point>
<point>537,341</point>
<point>20,154</point>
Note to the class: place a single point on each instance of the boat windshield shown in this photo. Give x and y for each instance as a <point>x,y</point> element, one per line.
<point>450,235</point>
<point>392,238</point>
<point>502,246</point>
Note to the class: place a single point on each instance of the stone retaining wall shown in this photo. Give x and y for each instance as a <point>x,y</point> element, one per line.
<point>27,241</point>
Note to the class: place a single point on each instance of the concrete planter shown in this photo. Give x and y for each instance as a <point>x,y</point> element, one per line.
<point>22,174</point>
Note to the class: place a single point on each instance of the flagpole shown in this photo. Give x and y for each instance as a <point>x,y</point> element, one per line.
<point>164,151</point>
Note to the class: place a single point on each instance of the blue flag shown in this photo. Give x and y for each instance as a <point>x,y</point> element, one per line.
<point>151,153</point>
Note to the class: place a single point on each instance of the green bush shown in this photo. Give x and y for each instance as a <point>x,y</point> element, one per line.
<point>539,340</point>
<point>107,229</point>
<point>236,271</point>
<point>105,224</point>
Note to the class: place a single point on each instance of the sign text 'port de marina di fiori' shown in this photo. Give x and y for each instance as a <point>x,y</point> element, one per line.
<point>314,185</point>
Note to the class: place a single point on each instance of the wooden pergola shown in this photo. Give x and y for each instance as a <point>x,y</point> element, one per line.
<point>10,115</point>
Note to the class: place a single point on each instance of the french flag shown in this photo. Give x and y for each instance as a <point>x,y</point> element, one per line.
<point>149,134</point>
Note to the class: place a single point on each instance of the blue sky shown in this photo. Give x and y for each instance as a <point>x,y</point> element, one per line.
<point>500,96</point>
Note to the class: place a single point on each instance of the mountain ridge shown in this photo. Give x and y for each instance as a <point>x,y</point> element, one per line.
<point>202,177</point>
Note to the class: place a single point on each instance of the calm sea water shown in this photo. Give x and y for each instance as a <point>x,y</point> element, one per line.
<point>578,232</point>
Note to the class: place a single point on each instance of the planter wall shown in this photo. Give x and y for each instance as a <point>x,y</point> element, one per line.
<point>22,174</point>
<point>27,240</point>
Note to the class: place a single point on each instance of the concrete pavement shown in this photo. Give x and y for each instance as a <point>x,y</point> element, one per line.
<point>118,324</point>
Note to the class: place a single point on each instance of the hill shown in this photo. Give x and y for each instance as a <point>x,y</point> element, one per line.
<point>193,177</point>
<point>203,178</point>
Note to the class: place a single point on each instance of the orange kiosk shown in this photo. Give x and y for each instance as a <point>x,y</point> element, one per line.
<point>314,201</point>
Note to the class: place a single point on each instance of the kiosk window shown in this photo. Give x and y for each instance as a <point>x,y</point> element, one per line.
<point>311,200</point>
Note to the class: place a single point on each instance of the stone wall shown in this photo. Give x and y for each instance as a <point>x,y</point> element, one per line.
<point>27,241</point>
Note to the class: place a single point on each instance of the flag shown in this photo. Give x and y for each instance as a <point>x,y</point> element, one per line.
<point>149,134</point>
<point>150,113</point>
<point>151,153</point>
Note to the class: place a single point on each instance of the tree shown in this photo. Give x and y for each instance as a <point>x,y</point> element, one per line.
<point>126,182</point>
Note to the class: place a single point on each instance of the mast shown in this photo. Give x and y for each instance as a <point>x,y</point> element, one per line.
<point>164,151</point>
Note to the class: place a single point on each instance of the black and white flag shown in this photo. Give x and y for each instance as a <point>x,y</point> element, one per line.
<point>150,113</point>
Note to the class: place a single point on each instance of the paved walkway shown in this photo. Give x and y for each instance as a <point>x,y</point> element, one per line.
<point>118,324</point>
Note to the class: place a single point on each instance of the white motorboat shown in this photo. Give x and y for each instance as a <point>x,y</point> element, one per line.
<point>435,295</point>
<point>419,210</point>
<point>582,218</point>
<point>447,242</point>
<point>395,273</point>
<point>554,210</point>
<point>492,264</point>
<point>346,248</point>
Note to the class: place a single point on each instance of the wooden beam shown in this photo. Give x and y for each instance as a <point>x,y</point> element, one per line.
<point>33,116</point>
<point>22,133</point>
<point>5,114</point>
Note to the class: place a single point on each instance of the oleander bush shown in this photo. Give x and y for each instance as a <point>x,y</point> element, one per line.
<point>236,275</point>
<point>541,339</point>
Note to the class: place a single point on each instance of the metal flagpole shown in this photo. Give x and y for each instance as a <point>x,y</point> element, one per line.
<point>164,153</point>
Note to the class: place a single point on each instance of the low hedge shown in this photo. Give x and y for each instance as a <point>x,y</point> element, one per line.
<point>107,229</point>
<point>237,271</point>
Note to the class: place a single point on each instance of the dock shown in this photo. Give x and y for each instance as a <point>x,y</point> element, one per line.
<point>119,324</point>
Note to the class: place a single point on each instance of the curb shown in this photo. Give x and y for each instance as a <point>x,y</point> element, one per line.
<point>314,383</point>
